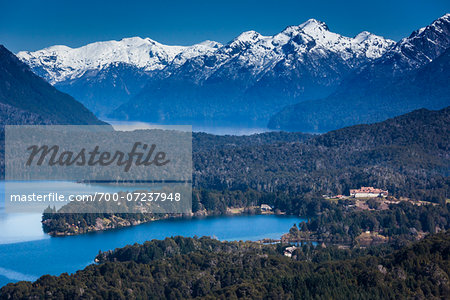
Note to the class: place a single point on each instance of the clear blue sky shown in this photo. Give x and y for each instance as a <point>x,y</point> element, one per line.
<point>35,24</point>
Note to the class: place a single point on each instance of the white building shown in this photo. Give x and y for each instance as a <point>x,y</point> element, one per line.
<point>368,192</point>
<point>289,250</point>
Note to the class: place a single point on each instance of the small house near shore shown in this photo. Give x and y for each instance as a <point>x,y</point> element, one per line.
<point>265,207</point>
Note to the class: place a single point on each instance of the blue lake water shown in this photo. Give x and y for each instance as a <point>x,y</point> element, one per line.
<point>29,260</point>
<point>26,253</point>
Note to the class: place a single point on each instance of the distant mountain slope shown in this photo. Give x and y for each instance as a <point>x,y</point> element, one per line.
<point>103,90</point>
<point>427,129</point>
<point>408,155</point>
<point>251,77</point>
<point>415,73</point>
<point>27,98</point>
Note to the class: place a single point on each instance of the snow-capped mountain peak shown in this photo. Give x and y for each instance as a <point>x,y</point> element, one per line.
<point>313,25</point>
<point>364,44</point>
<point>249,36</point>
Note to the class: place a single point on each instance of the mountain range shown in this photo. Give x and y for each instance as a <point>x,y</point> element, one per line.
<point>304,78</point>
<point>248,79</point>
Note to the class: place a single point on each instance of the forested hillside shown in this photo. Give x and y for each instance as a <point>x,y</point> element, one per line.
<point>408,155</point>
<point>203,268</point>
<point>25,98</point>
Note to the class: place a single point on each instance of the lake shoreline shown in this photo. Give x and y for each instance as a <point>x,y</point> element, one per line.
<point>115,222</point>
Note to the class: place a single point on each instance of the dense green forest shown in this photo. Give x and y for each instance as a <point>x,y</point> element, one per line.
<point>335,223</point>
<point>205,268</point>
<point>408,155</point>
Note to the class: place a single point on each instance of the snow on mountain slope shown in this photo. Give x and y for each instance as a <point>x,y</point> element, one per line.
<point>194,51</point>
<point>59,63</point>
<point>420,48</point>
<point>254,54</point>
<point>364,44</point>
